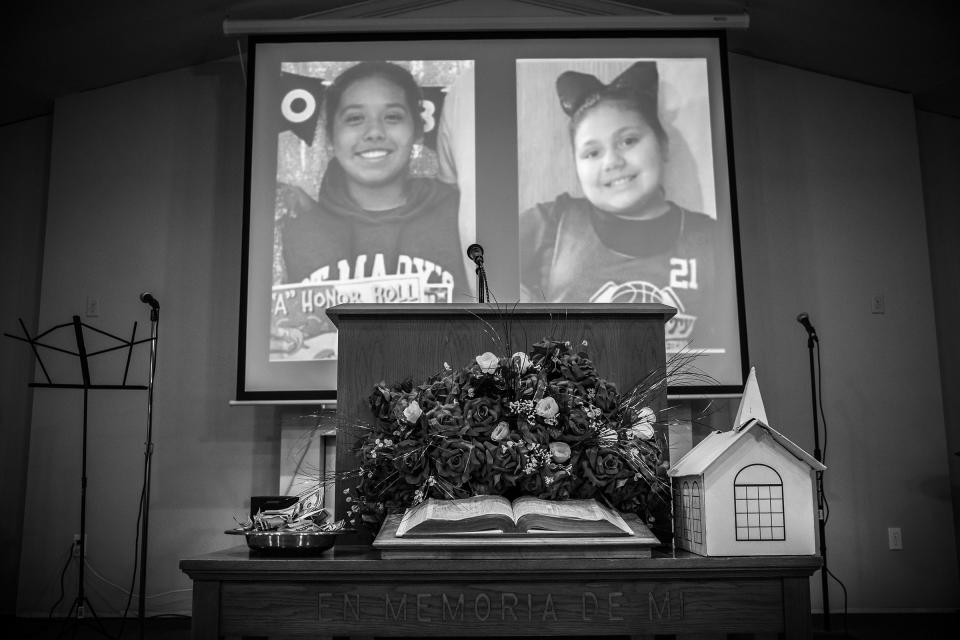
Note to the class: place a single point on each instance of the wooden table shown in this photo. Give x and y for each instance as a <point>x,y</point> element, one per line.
<point>353,592</point>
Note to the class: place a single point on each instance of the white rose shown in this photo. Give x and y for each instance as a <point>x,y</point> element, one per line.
<point>642,430</point>
<point>643,427</point>
<point>560,452</point>
<point>501,431</point>
<point>647,415</point>
<point>412,412</point>
<point>522,360</point>
<point>547,408</point>
<point>488,362</point>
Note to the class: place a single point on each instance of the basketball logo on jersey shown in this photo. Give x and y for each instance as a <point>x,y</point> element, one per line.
<point>678,329</point>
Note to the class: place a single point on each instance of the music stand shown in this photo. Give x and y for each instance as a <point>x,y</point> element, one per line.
<point>81,603</point>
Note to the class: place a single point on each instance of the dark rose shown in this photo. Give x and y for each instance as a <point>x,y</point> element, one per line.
<point>527,386</point>
<point>603,466</point>
<point>628,496</point>
<point>611,466</point>
<point>532,484</point>
<point>439,389</point>
<point>428,399</point>
<point>444,418</point>
<point>452,459</point>
<point>544,352</point>
<point>576,427</point>
<point>373,479</point>
<point>566,392</point>
<point>482,415</point>
<point>534,433</point>
<point>584,489</point>
<point>398,496</point>
<point>411,461</point>
<point>560,485</point>
<point>378,485</point>
<point>577,368</point>
<point>507,466</point>
<point>607,397</point>
<point>368,454</point>
<point>380,402</point>
<point>482,475</point>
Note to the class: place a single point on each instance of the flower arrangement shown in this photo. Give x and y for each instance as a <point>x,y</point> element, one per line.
<point>541,423</point>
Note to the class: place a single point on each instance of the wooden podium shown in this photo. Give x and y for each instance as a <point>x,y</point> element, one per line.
<point>393,342</point>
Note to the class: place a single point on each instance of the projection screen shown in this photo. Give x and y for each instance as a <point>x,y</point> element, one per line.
<point>592,168</point>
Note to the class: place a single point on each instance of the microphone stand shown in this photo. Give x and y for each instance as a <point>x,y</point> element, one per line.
<point>483,291</point>
<point>475,253</point>
<point>147,458</point>
<point>821,521</point>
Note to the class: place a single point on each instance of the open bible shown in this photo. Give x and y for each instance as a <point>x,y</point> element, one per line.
<point>496,515</point>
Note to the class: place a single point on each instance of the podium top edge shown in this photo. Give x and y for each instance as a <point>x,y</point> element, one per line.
<point>559,310</point>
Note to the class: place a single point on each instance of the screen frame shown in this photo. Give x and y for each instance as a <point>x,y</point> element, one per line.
<point>387,31</point>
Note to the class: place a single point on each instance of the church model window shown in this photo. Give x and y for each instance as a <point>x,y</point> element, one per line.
<point>678,510</point>
<point>758,497</point>
<point>690,519</point>
<point>695,519</point>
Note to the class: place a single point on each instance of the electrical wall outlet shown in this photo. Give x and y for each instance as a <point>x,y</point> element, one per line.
<point>895,538</point>
<point>877,304</point>
<point>76,546</point>
<point>92,309</point>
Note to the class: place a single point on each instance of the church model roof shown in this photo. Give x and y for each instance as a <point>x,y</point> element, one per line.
<point>750,416</point>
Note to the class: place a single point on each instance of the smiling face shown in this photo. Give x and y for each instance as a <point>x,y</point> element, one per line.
<point>619,161</point>
<point>373,134</point>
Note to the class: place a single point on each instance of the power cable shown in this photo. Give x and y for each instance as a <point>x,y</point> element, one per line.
<point>63,573</point>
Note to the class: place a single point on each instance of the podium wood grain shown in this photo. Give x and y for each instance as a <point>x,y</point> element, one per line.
<point>411,341</point>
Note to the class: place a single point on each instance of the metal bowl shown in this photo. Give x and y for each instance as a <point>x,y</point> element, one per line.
<point>291,542</point>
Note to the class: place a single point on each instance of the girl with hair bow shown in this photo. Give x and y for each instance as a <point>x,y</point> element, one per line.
<point>624,241</point>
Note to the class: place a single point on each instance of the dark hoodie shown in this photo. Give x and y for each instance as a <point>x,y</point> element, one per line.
<point>333,239</point>
<point>571,251</point>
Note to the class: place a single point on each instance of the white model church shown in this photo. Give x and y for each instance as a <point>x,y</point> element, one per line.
<point>747,491</point>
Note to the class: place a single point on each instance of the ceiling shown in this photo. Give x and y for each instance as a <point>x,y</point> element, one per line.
<point>54,48</point>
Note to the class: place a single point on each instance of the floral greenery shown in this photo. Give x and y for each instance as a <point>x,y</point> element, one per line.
<point>542,423</point>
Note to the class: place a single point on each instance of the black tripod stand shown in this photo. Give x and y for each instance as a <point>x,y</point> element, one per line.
<point>81,605</point>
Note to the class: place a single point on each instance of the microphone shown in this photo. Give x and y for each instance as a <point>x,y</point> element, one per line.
<point>147,298</point>
<point>804,319</point>
<point>475,253</point>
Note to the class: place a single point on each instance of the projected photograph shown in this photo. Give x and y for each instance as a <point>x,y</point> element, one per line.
<point>592,169</point>
<point>617,193</point>
<point>369,202</point>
